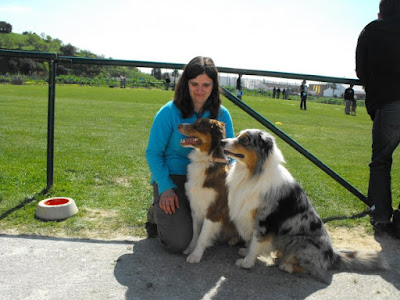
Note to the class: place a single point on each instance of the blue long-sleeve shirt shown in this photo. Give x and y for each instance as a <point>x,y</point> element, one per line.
<point>165,155</point>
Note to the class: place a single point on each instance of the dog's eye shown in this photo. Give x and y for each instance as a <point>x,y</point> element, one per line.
<point>244,141</point>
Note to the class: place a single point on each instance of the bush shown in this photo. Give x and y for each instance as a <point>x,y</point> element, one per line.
<point>17,81</point>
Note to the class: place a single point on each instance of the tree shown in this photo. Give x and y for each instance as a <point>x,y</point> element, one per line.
<point>27,66</point>
<point>5,27</point>
<point>34,41</point>
<point>175,74</point>
<point>333,86</point>
<point>156,73</point>
<point>8,43</point>
<point>68,50</point>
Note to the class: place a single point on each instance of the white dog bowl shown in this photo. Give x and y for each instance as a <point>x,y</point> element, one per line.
<point>58,208</point>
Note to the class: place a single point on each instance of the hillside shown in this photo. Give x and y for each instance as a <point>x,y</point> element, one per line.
<point>32,42</point>
<point>29,41</point>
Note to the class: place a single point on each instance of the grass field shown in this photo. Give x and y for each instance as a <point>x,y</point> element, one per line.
<point>100,140</point>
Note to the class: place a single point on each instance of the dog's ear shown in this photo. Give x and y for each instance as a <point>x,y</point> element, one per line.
<point>266,142</point>
<point>222,127</point>
<point>218,129</point>
<point>217,134</point>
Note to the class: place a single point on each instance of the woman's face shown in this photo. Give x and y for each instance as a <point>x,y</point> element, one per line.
<point>200,88</point>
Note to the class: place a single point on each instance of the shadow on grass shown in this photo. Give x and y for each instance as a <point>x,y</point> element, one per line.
<point>23,203</point>
<point>356,216</point>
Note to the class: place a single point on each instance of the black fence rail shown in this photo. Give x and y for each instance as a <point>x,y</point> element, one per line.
<point>53,59</point>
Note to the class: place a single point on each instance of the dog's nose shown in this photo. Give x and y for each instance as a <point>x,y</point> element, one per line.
<point>223,143</point>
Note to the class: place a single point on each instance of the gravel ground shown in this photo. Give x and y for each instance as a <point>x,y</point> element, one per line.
<point>133,268</point>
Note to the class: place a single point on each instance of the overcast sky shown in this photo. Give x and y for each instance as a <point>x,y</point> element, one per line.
<point>315,37</point>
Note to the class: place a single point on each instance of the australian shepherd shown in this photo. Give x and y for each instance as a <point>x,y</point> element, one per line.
<point>206,186</point>
<point>272,213</point>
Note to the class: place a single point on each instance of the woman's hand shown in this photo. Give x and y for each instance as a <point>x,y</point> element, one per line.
<point>169,201</point>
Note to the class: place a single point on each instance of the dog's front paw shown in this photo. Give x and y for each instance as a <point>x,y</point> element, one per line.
<point>190,248</point>
<point>243,263</point>
<point>193,258</point>
<point>243,251</point>
<point>286,267</point>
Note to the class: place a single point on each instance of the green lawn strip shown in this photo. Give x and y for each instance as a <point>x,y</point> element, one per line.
<point>100,140</point>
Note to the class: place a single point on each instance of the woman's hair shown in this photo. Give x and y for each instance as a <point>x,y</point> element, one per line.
<point>388,8</point>
<point>197,66</point>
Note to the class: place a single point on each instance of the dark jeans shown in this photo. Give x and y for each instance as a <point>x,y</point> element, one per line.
<point>303,102</point>
<point>176,230</point>
<point>385,139</point>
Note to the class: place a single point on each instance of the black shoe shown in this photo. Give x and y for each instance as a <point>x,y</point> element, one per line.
<point>150,225</point>
<point>151,230</point>
<point>396,223</point>
<point>396,216</point>
<point>383,228</point>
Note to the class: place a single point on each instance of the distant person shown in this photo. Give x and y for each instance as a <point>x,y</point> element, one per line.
<point>239,92</point>
<point>303,95</point>
<point>167,82</point>
<point>348,99</point>
<point>196,96</point>
<point>378,67</point>
<point>284,94</point>
<point>278,92</point>
<point>288,90</point>
<point>122,79</point>
<point>274,92</point>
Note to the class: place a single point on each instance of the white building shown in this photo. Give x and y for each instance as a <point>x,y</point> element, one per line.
<point>337,92</point>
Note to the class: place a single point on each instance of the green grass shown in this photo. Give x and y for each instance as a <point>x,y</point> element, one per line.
<point>100,140</point>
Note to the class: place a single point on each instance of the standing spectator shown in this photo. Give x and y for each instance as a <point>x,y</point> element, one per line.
<point>303,95</point>
<point>274,92</point>
<point>239,92</point>
<point>378,67</point>
<point>284,94</point>
<point>122,79</point>
<point>167,82</point>
<point>348,99</point>
<point>278,92</point>
<point>288,90</point>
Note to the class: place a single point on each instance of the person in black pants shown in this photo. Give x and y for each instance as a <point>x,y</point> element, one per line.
<point>303,95</point>
<point>378,67</point>
<point>349,98</point>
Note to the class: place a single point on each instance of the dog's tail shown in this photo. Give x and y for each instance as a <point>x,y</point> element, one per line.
<point>358,261</point>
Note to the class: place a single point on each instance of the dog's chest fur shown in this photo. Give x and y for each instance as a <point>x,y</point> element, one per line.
<point>200,196</point>
<point>248,197</point>
<point>244,198</point>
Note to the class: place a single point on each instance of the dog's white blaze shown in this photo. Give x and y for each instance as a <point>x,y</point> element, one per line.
<point>242,200</point>
<point>200,197</point>
<point>246,193</point>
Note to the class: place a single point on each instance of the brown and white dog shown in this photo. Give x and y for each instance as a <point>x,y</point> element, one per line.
<point>272,213</point>
<point>205,186</point>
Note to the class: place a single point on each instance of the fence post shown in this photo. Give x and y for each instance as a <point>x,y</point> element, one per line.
<point>50,123</point>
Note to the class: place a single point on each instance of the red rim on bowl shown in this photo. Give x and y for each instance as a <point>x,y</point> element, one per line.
<point>57,201</point>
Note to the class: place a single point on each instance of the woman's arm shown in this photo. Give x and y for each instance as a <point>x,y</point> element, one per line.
<point>160,134</point>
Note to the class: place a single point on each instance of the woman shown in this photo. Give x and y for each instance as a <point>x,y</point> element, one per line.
<point>196,96</point>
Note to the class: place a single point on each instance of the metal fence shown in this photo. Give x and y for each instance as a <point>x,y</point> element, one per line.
<point>53,59</point>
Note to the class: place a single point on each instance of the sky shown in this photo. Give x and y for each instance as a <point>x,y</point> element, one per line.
<point>316,37</point>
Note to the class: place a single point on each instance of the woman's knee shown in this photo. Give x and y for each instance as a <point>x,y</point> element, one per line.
<point>175,231</point>
<point>176,243</point>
